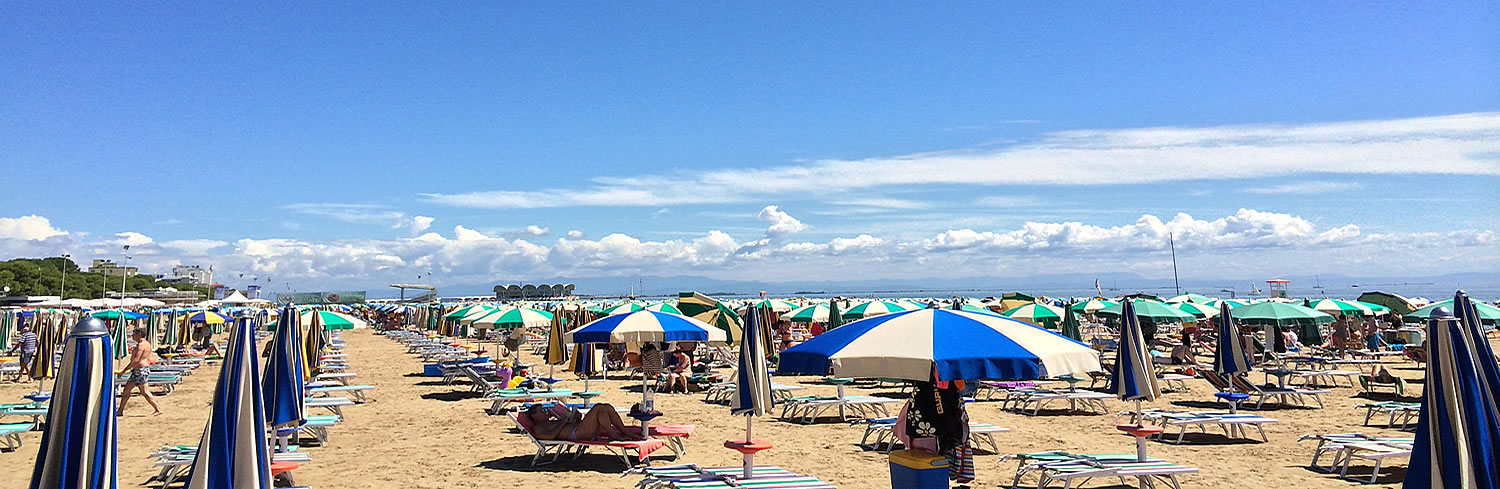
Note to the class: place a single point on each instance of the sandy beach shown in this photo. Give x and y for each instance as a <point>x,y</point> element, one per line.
<point>416,432</point>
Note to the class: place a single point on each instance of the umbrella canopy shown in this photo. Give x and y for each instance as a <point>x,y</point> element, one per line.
<point>469,312</point>
<point>1279,314</point>
<point>644,326</point>
<point>1200,311</point>
<point>285,382</point>
<point>713,312</point>
<point>207,317</point>
<point>664,307</point>
<point>1233,303</point>
<point>1092,305</point>
<point>79,445</point>
<point>334,320</point>
<point>1352,308</point>
<point>1156,312</point>
<point>1189,297</point>
<point>1397,303</point>
<point>1038,314</point>
<point>752,395</point>
<point>557,353</point>
<point>973,308</point>
<point>232,453</point>
<point>1487,314</point>
<point>1134,378</point>
<point>117,314</point>
<point>874,308</point>
<point>1229,356</point>
<point>514,317</point>
<point>624,308</point>
<point>1070,326</point>
<point>776,305</point>
<point>955,345</point>
<point>816,313</point>
<point>1458,430</point>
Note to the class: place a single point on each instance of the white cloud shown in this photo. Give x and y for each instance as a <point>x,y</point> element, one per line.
<point>1455,144</point>
<point>535,230</point>
<point>352,213</point>
<point>575,234</point>
<point>1311,187</point>
<point>1007,201</point>
<point>419,224</point>
<point>781,223</point>
<point>193,247</point>
<point>130,238</point>
<point>28,228</point>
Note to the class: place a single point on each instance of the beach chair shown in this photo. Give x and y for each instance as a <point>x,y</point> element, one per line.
<point>503,397</point>
<point>1334,443</point>
<point>1268,391</point>
<point>988,389</point>
<point>1078,401</point>
<point>10,435</point>
<point>1172,382</point>
<point>176,462</point>
<point>1375,452</point>
<point>1074,469</point>
<point>334,404</point>
<point>1369,383</point>
<point>1405,412</point>
<point>642,449</point>
<point>358,391</point>
<point>695,477</point>
<point>806,410</point>
<point>880,431</point>
<point>1232,424</point>
<point>340,377</point>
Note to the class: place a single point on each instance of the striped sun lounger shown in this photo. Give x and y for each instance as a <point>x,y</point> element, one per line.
<point>1073,470</point>
<point>694,477</point>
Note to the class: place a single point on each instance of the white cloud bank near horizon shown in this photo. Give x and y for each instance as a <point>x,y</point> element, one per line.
<point>1462,144</point>
<point>1245,242</point>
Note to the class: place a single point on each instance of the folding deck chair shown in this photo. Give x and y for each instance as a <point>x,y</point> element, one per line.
<point>640,448</point>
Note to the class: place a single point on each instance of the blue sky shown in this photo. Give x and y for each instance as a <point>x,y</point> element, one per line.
<point>333,127</point>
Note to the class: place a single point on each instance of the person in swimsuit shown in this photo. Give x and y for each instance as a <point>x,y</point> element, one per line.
<point>573,425</point>
<point>140,359</point>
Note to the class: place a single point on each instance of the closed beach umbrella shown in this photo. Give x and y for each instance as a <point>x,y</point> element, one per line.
<point>835,318</point>
<point>582,363</point>
<point>874,308</point>
<point>1279,314</point>
<point>312,343</point>
<point>232,453</point>
<point>954,345</point>
<point>1229,357</point>
<point>752,394</point>
<point>1038,314</point>
<point>120,332</point>
<point>1134,378</point>
<point>557,353</point>
<point>1070,326</point>
<point>79,445</point>
<point>1149,310</point>
<point>816,313</point>
<point>46,343</point>
<point>1092,305</point>
<point>285,382</point>
<point>1458,431</point>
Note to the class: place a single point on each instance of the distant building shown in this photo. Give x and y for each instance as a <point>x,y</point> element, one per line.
<point>529,291</point>
<point>168,295</point>
<point>192,274</point>
<point>108,267</point>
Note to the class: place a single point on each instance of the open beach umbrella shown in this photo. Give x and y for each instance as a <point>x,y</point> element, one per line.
<point>207,317</point>
<point>713,312</point>
<point>117,314</point>
<point>624,308</point>
<point>666,307</point>
<point>1092,305</point>
<point>1458,430</point>
<point>1150,310</point>
<point>646,326</point>
<point>285,382</point>
<point>1189,297</point>
<point>776,305</point>
<point>954,345</point>
<point>232,453</point>
<point>835,319</point>
<point>1198,310</point>
<point>1039,314</point>
<point>816,313</point>
<point>1487,314</point>
<point>79,444</point>
<point>1229,356</point>
<point>334,320</point>
<point>1337,307</point>
<point>1279,314</point>
<point>752,394</point>
<point>874,308</point>
<point>514,317</point>
<point>1395,302</point>
<point>1070,326</point>
<point>1134,378</point>
<point>978,309</point>
<point>469,312</point>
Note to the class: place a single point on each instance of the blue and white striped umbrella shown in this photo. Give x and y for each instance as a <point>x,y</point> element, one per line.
<point>752,394</point>
<point>1134,378</point>
<point>956,345</point>
<point>1229,356</point>
<point>284,382</point>
<point>646,326</point>
<point>1458,432</point>
<point>233,452</point>
<point>78,448</point>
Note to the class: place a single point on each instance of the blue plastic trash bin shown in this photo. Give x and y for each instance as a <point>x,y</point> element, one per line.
<point>918,469</point>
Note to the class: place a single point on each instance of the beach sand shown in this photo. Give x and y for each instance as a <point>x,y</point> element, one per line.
<point>417,433</point>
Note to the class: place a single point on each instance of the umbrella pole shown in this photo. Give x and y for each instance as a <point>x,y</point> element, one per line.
<point>1140,441</point>
<point>749,456</point>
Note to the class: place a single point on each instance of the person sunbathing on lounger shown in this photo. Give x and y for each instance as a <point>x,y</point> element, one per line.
<point>576,426</point>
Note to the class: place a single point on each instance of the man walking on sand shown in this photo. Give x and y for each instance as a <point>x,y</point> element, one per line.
<point>140,358</point>
<point>27,344</point>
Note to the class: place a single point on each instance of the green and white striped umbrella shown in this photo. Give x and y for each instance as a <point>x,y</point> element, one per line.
<point>982,310</point>
<point>1093,305</point>
<point>515,317</point>
<point>874,308</point>
<point>1156,312</point>
<point>1189,297</point>
<point>816,313</point>
<point>621,309</point>
<point>1337,307</point>
<point>470,313</point>
<point>1043,315</point>
<point>1200,311</point>
<point>666,307</point>
<point>778,305</point>
<point>1233,303</point>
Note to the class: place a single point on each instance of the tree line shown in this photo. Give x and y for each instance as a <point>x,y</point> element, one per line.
<point>44,276</point>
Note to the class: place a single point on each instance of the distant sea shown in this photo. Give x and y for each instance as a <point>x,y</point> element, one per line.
<point>1435,292</point>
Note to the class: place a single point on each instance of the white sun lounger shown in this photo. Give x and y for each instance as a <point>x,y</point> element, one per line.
<point>1088,401</point>
<point>358,391</point>
<point>10,434</point>
<point>1232,424</point>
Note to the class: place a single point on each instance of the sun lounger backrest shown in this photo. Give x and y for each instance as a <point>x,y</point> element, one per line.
<point>1217,381</point>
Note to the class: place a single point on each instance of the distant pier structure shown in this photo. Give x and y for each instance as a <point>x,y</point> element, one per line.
<point>532,291</point>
